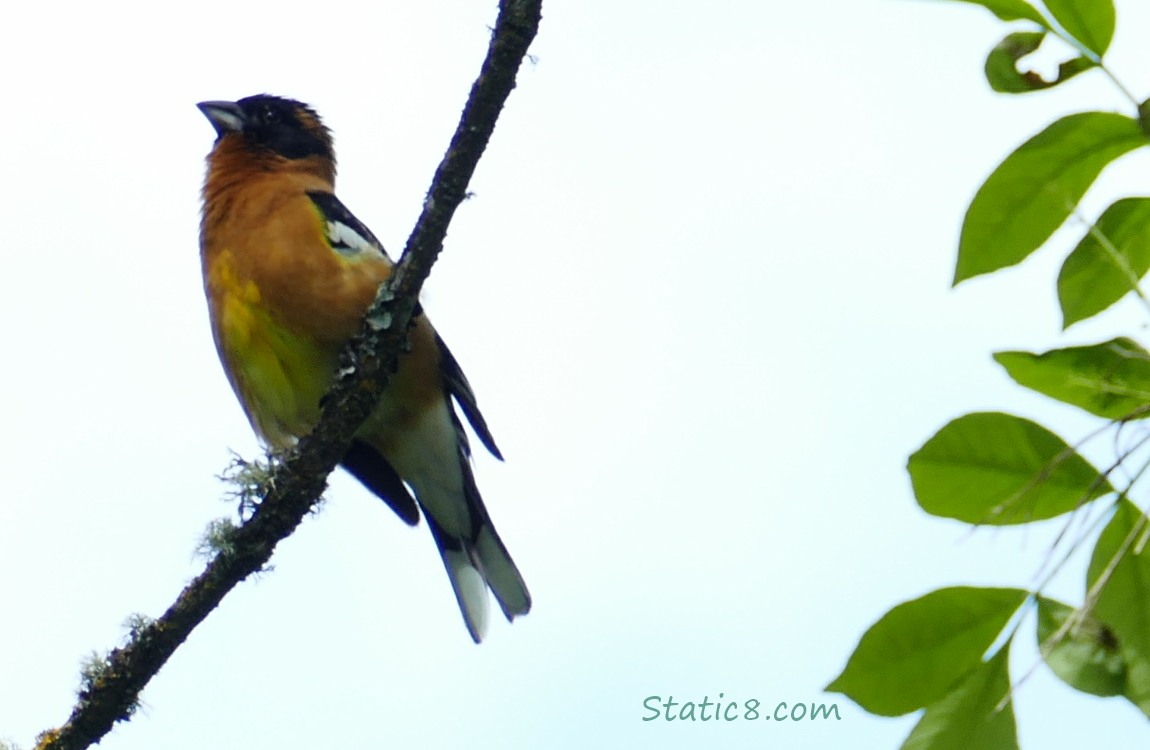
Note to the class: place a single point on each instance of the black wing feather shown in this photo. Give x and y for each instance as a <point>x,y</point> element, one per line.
<point>365,464</point>
<point>460,389</point>
<point>334,210</point>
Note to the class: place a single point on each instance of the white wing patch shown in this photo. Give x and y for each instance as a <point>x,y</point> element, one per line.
<point>348,242</point>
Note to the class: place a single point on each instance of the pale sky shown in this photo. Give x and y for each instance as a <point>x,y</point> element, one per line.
<point>702,294</point>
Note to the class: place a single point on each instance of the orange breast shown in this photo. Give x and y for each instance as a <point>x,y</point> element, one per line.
<point>283,304</point>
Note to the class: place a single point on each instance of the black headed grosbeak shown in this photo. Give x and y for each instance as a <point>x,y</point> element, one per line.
<point>289,273</point>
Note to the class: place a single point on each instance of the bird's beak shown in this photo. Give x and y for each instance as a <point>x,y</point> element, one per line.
<point>226,117</point>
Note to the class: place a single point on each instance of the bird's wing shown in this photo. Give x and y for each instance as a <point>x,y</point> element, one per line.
<point>366,464</point>
<point>346,234</point>
<point>460,390</point>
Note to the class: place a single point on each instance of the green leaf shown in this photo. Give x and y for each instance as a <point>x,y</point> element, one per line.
<point>919,650</point>
<point>969,716</point>
<point>1083,653</point>
<point>1122,558</point>
<point>1091,22</point>
<point>1032,192</point>
<point>1012,10</point>
<point>1002,65</point>
<point>999,469</point>
<point>1108,262</point>
<point>1110,380</point>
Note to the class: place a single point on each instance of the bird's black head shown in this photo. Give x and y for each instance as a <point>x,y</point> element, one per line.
<point>285,127</point>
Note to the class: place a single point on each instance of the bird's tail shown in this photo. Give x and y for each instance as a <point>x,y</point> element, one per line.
<point>479,563</point>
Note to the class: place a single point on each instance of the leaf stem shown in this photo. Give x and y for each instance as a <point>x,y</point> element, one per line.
<point>1114,79</point>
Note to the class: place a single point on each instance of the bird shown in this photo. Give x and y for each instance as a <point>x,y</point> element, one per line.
<point>288,273</point>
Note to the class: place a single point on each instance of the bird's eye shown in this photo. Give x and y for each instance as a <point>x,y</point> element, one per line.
<point>270,116</point>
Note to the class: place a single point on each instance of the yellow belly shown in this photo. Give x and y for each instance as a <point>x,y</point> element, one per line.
<point>278,376</point>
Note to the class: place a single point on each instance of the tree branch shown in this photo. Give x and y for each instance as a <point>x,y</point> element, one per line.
<point>296,482</point>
